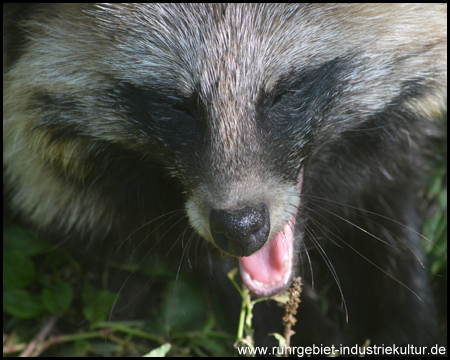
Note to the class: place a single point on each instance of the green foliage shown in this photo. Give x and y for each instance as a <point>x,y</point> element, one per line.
<point>43,285</point>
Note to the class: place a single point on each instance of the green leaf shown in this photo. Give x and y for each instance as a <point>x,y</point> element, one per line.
<point>21,304</point>
<point>97,304</point>
<point>159,351</point>
<point>18,270</point>
<point>25,241</point>
<point>57,299</point>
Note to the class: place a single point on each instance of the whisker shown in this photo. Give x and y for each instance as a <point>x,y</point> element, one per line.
<point>376,214</point>
<point>365,257</point>
<point>140,262</point>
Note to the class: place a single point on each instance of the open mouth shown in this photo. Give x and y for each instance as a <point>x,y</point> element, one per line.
<point>268,271</point>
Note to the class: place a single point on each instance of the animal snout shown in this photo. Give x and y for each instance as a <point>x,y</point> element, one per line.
<point>240,232</point>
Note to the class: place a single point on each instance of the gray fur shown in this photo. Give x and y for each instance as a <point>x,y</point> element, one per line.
<point>228,54</point>
<point>232,103</point>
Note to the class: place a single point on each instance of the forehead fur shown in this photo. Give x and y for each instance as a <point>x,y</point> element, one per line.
<point>205,42</point>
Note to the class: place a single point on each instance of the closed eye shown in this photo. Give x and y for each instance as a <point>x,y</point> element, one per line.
<point>185,109</point>
<point>278,98</point>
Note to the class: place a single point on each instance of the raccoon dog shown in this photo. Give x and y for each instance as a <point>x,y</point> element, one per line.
<point>293,135</point>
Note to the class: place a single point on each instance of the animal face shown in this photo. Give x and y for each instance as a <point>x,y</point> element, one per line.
<point>278,123</point>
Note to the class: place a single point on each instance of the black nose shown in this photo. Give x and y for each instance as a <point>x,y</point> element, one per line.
<point>240,232</point>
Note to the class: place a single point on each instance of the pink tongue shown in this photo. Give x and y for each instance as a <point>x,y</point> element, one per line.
<point>268,271</point>
<point>267,265</point>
